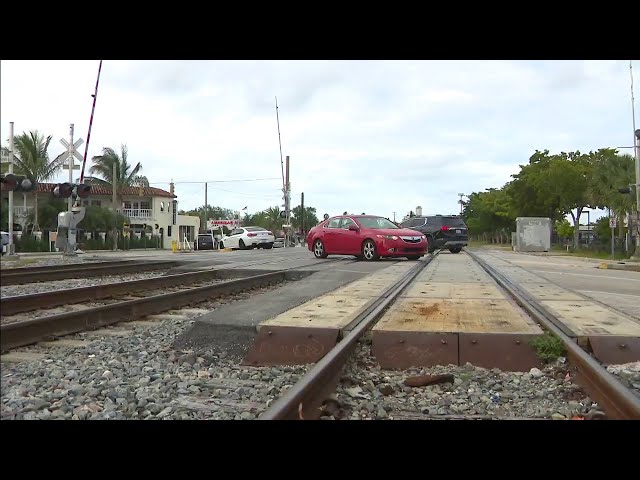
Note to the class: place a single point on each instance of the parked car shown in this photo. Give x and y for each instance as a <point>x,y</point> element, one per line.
<point>368,237</point>
<point>442,231</point>
<point>279,242</point>
<point>205,241</point>
<point>248,237</point>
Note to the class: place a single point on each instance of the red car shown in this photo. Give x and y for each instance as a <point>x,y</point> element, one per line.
<point>365,236</point>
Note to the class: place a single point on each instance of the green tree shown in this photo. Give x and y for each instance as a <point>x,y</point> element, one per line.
<point>127,175</point>
<point>31,158</point>
<point>272,220</point>
<point>490,213</point>
<point>310,218</point>
<point>602,230</point>
<point>554,186</point>
<point>610,172</point>
<point>564,229</point>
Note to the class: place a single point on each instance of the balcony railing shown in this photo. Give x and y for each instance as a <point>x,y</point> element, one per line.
<point>22,211</point>
<point>137,212</point>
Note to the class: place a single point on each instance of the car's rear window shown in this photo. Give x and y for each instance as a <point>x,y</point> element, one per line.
<point>255,229</point>
<point>449,221</point>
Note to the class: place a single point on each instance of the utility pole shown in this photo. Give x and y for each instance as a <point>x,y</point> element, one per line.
<point>394,217</point>
<point>302,217</point>
<point>71,150</point>
<point>115,210</point>
<point>287,202</point>
<point>636,255</point>
<point>11,248</point>
<point>461,202</point>
<point>206,208</point>
<point>636,143</point>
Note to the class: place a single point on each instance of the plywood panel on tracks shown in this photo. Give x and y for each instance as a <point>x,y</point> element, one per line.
<point>422,330</point>
<point>586,318</point>
<point>453,290</point>
<point>457,315</point>
<point>305,333</point>
<point>547,291</point>
<point>338,308</point>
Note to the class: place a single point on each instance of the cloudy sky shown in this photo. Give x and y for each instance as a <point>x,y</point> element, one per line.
<point>364,136</point>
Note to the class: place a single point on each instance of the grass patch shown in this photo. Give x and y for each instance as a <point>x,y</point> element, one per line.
<point>548,347</point>
<point>585,253</point>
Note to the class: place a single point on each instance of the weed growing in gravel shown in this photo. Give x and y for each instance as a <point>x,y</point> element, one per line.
<point>548,347</point>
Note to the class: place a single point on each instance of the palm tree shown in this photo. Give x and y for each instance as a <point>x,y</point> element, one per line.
<point>272,218</point>
<point>126,173</point>
<point>31,158</point>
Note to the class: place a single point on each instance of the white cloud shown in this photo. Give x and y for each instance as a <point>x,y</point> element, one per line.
<point>373,136</point>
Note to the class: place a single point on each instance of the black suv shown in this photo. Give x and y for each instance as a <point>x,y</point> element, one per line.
<point>205,241</point>
<point>442,231</point>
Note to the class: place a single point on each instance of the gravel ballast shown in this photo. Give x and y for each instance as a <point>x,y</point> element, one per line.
<point>139,375</point>
<point>29,288</point>
<point>368,392</point>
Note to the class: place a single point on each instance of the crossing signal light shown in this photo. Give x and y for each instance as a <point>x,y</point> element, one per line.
<point>63,190</point>
<point>18,183</point>
<point>82,190</point>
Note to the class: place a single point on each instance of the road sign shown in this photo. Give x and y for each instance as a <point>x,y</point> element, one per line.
<point>613,222</point>
<point>80,158</point>
<point>211,224</point>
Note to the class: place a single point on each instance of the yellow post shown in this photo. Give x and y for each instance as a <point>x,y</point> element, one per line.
<point>174,246</point>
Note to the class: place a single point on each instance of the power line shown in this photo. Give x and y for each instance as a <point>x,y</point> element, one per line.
<point>218,181</point>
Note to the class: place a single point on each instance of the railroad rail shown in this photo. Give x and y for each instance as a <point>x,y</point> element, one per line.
<point>304,400</point>
<point>23,275</point>
<point>27,332</point>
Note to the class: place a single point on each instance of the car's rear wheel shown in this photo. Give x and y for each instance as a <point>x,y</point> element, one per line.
<point>413,257</point>
<point>369,250</point>
<point>318,249</point>
<point>455,249</point>
<point>268,245</point>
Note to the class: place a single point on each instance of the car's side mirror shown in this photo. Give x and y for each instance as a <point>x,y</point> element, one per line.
<point>353,228</point>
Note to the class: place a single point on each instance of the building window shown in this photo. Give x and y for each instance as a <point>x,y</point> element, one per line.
<point>168,230</point>
<point>146,205</point>
<point>85,203</point>
<point>96,203</point>
<point>126,205</point>
<point>162,209</point>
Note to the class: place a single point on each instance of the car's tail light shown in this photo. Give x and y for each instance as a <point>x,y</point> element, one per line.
<point>251,234</point>
<point>444,228</point>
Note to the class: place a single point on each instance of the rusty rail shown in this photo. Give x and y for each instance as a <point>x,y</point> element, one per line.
<point>618,401</point>
<point>34,301</point>
<point>28,332</point>
<point>304,399</point>
<point>19,276</point>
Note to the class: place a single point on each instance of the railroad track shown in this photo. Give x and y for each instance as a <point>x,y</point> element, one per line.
<point>126,301</point>
<point>232,389</point>
<point>315,392</point>
<point>23,275</point>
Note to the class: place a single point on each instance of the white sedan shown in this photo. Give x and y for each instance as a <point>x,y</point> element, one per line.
<point>248,237</point>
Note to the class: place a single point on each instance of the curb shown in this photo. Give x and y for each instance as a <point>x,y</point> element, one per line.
<point>620,266</point>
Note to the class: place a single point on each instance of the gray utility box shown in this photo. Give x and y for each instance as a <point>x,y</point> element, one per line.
<point>533,234</point>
